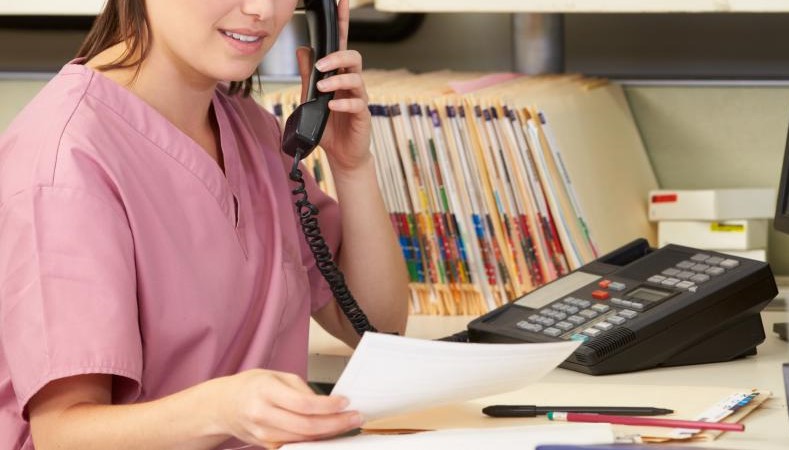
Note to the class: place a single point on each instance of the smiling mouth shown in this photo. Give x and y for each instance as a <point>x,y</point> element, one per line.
<point>241,37</point>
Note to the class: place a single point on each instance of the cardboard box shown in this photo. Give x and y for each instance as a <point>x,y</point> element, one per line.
<point>712,204</point>
<point>728,235</point>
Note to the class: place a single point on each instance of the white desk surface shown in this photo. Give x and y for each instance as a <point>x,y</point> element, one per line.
<point>767,426</point>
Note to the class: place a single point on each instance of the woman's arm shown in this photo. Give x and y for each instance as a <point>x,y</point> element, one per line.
<point>258,407</point>
<point>370,255</point>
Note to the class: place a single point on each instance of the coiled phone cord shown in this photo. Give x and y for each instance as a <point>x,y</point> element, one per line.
<point>323,257</point>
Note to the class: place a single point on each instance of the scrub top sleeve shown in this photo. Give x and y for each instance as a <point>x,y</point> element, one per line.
<point>67,291</point>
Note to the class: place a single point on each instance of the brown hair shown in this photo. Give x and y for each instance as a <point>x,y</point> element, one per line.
<point>127,20</point>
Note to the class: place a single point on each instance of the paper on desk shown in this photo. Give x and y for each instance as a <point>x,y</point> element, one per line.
<point>389,375</point>
<point>510,438</point>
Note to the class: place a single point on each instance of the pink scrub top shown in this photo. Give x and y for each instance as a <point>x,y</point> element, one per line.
<point>125,249</point>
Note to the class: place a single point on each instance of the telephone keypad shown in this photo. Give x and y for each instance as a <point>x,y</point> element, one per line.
<point>581,319</point>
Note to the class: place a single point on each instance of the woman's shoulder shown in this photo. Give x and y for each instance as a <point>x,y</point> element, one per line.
<point>29,146</point>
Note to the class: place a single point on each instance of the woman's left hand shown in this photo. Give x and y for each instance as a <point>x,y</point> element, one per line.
<point>347,135</point>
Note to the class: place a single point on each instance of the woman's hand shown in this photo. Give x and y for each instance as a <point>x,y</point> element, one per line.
<point>347,136</point>
<point>268,408</point>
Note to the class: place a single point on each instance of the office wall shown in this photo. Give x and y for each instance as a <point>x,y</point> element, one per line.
<point>697,136</point>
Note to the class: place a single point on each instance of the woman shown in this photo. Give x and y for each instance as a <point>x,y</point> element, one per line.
<point>155,289</point>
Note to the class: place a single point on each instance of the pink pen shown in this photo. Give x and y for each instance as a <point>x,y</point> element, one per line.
<point>645,421</point>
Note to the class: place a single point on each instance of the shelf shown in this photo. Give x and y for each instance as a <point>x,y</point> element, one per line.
<point>584,6</point>
<point>75,7</point>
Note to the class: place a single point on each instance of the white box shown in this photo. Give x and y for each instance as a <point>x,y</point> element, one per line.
<point>729,235</point>
<point>712,204</point>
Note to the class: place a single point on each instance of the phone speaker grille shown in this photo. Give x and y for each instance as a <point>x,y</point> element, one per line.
<point>605,344</point>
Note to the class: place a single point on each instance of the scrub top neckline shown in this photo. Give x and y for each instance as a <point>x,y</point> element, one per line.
<point>224,186</point>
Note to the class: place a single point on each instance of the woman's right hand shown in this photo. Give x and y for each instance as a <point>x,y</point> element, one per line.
<point>268,408</point>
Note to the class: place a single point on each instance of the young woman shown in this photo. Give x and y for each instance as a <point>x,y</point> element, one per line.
<point>155,287</point>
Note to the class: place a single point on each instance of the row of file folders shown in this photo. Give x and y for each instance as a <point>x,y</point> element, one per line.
<point>497,184</point>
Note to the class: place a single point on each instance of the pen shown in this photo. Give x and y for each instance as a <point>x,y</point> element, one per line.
<point>534,410</point>
<point>644,421</point>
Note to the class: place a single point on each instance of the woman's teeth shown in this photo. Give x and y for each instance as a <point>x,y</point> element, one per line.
<point>242,37</point>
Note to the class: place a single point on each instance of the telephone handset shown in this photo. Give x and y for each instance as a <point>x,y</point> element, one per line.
<point>304,128</point>
<point>302,133</point>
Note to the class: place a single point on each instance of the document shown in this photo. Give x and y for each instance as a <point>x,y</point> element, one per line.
<point>389,375</point>
<point>510,438</point>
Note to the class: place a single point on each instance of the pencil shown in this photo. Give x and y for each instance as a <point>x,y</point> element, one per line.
<point>645,421</point>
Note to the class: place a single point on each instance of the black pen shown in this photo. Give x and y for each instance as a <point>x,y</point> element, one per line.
<point>534,410</point>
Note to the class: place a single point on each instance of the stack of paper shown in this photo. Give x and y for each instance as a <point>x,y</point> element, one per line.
<point>499,183</point>
<point>733,221</point>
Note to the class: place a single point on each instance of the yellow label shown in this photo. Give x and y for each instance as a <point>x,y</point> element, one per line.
<point>727,227</point>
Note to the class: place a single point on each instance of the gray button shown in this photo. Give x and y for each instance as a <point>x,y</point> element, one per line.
<point>620,302</point>
<point>571,309</point>
<point>686,264</point>
<point>534,317</point>
<point>592,332</point>
<point>529,326</point>
<point>700,278</point>
<point>601,308</point>
<point>560,306</point>
<point>557,315</point>
<point>656,278</point>
<point>628,314</point>
<point>670,272</point>
<point>685,284</point>
<point>576,319</point>
<point>670,281</point>
<point>583,303</point>
<point>571,300</point>
<point>715,271</point>
<point>729,263</point>
<point>564,325</point>
<point>637,306</point>
<point>605,326</point>
<point>685,275</point>
<point>547,322</point>
<point>699,257</point>
<point>552,331</point>
<point>693,288</point>
<point>588,313</point>
<point>616,320</point>
<point>699,267</point>
<point>714,260</point>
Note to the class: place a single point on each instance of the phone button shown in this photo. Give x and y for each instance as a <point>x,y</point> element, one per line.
<point>552,331</point>
<point>627,314</point>
<point>600,295</point>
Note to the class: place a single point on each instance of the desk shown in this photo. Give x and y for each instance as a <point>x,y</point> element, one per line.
<point>767,427</point>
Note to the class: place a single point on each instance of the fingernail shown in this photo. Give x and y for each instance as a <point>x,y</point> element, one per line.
<point>356,420</point>
<point>322,65</point>
<point>321,84</point>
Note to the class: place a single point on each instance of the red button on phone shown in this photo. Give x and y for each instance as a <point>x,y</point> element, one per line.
<point>600,295</point>
<point>604,284</point>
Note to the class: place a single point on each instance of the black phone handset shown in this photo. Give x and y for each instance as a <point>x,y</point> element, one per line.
<point>302,133</point>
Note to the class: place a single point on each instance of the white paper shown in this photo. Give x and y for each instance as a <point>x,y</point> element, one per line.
<point>509,438</point>
<point>390,375</point>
